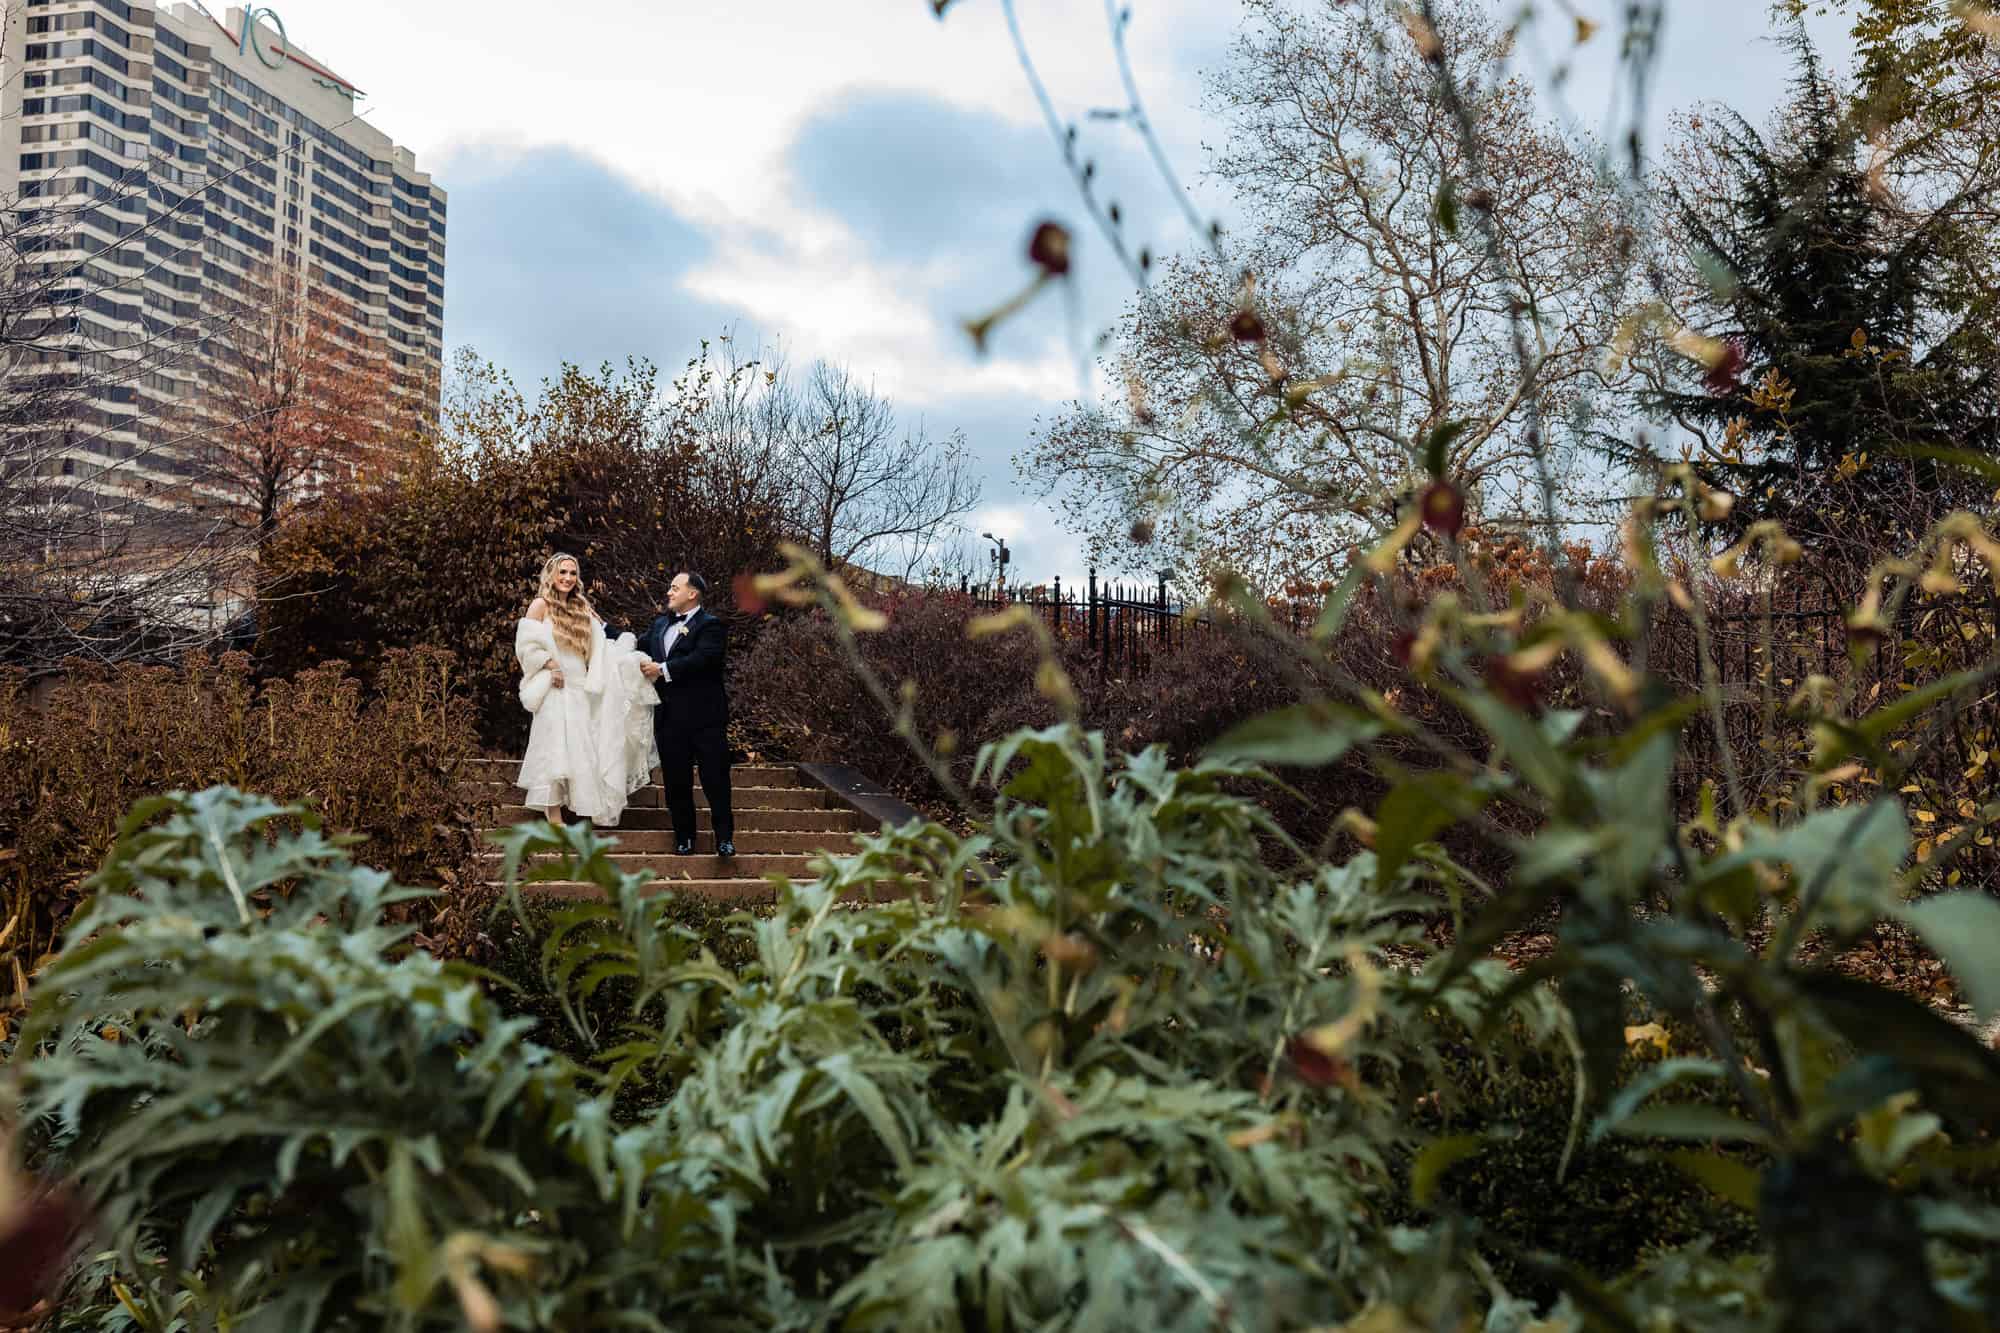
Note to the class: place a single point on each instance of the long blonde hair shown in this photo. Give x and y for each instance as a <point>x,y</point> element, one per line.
<point>569,617</point>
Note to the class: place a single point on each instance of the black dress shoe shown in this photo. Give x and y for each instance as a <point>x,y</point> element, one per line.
<point>725,849</point>
<point>684,849</point>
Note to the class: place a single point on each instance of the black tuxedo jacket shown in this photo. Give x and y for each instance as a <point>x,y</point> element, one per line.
<point>692,695</point>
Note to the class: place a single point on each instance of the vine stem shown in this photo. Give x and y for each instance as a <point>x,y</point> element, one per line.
<point>1066,140</point>
<point>1711,677</point>
<point>1118,20</point>
<point>1291,1008</point>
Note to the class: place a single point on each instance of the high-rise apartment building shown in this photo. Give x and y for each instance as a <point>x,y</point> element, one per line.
<point>206,170</point>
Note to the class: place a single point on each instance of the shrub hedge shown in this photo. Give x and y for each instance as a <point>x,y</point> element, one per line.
<point>449,554</point>
<point>800,698</point>
<point>382,762</point>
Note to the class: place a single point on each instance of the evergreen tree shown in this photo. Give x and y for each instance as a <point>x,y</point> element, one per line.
<point>1853,377</point>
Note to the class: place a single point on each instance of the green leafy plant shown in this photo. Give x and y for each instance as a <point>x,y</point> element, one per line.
<point>1084,1097</point>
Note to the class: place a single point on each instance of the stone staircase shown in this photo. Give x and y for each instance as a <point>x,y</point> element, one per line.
<point>782,820</point>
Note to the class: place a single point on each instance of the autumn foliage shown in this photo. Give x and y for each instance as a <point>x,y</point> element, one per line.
<point>384,762</point>
<point>447,554</point>
<point>299,400</point>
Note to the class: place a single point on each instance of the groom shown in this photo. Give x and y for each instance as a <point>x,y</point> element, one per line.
<point>690,649</point>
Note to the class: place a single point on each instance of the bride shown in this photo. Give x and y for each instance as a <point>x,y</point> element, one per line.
<point>591,743</point>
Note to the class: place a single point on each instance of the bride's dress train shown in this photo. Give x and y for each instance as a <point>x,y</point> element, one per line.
<point>591,743</point>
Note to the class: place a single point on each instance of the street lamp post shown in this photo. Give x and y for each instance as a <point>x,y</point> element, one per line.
<point>1001,555</point>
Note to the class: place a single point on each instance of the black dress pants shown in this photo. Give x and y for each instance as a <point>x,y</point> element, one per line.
<point>682,751</point>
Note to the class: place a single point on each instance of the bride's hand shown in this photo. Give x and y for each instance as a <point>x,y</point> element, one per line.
<point>557,678</point>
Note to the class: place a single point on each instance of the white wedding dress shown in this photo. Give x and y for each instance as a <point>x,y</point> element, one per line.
<point>591,743</point>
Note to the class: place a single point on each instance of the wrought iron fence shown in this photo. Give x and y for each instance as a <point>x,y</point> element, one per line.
<point>1122,625</point>
<point>1765,656</point>
<point>1762,656</point>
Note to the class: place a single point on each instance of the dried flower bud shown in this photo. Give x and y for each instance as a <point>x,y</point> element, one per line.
<point>1518,685</point>
<point>1245,326</point>
<point>749,597</point>
<point>1274,369</point>
<point>1070,950</point>
<point>38,1233</point>
<point>1417,650</point>
<point>1725,368</point>
<point>1313,1065</point>
<point>1722,359</point>
<point>1142,531</point>
<point>1048,248</point>
<point>1053,684</point>
<point>1479,197</point>
<point>1715,506</point>
<point>1357,826</point>
<point>784,586</point>
<point>475,1301</point>
<point>1866,632</point>
<point>1137,398</point>
<point>1424,36</point>
<point>860,618</point>
<point>1443,507</point>
<point>1983,20</point>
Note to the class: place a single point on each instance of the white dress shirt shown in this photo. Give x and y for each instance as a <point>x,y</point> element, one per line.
<point>667,643</point>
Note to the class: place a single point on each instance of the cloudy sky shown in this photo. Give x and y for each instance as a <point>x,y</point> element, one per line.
<point>849,179</point>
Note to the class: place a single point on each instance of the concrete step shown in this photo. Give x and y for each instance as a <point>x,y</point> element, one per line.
<point>654,797</point>
<point>834,822</point>
<point>741,775</point>
<point>746,891</point>
<point>749,842</point>
<point>699,866</point>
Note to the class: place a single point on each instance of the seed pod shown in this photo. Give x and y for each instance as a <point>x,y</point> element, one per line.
<point>1245,326</point>
<point>1443,508</point>
<point>1724,369</point>
<point>1048,248</point>
<point>1313,1065</point>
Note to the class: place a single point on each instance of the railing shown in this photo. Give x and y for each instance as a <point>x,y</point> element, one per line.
<point>1758,655</point>
<point>1763,659</point>
<point>1122,625</point>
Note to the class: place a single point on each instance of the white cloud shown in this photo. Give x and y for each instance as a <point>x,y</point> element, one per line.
<point>699,103</point>
<point>699,100</point>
